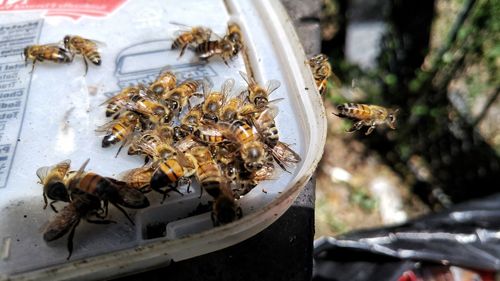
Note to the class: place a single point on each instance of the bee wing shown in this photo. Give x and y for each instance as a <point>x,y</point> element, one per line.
<point>43,172</point>
<point>284,155</point>
<point>149,149</point>
<point>186,144</point>
<point>206,88</point>
<point>82,169</point>
<point>269,114</point>
<point>247,79</point>
<point>226,88</point>
<point>107,126</point>
<point>266,173</point>
<point>272,85</point>
<point>183,160</point>
<point>132,198</point>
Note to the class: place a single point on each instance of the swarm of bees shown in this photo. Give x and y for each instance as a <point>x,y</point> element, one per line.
<point>72,45</point>
<point>207,44</point>
<point>227,143</point>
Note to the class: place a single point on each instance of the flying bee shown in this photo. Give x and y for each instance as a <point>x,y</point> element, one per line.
<point>258,95</point>
<point>195,36</point>
<point>280,151</point>
<point>88,48</point>
<point>83,206</point>
<point>214,100</point>
<point>120,129</point>
<point>189,123</point>
<point>50,52</point>
<point>118,102</point>
<point>165,82</point>
<point>224,48</point>
<point>52,179</point>
<point>154,112</point>
<point>107,189</point>
<point>367,115</point>
<point>178,98</point>
<point>321,69</point>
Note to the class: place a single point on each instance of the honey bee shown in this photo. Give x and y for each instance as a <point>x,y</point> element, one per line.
<point>116,103</point>
<point>214,100</point>
<point>189,123</point>
<point>209,135</point>
<point>154,112</point>
<point>367,115</point>
<point>196,35</point>
<point>230,109</point>
<point>280,151</point>
<point>225,208</point>
<point>212,180</point>
<point>257,95</point>
<point>50,52</point>
<point>83,206</point>
<point>234,35</point>
<point>85,47</point>
<point>52,179</point>
<point>165,82</point>
<point>149,142</point>
<point>120,129</point>
<point>321,69</point>
<point>178,98</point>
<point>107,189</point>
<point>171,171</point>
<point>224,48</point>
<point>252,150</point>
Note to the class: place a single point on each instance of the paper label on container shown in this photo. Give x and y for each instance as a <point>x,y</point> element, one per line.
<point>15,79</point>
<point>67,8</point>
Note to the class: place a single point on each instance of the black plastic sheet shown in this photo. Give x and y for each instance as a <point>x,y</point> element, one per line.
<point>466,235</point>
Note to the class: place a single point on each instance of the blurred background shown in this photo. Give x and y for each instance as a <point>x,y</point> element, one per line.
<point>435,60</point>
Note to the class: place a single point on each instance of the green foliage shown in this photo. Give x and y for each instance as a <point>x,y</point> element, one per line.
<point>362,199</point>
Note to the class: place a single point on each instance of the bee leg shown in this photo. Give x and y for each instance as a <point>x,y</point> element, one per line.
<point>189,185</point>
<point>70,239</point>
<point>183,49</point>
<point>119,149</point>
<point>201,193</point>
<point>215,222</point>
<point>239,213</point>
<point>45,201</point>
<point>105,208</point>
<point>358,125</point>
<point>33,67</point>
<point>174,188</point>
<point>165,194</point>
<point>124,213</point>
<point>370,130</point>
<point>53,207</point>
<point>86,66</point>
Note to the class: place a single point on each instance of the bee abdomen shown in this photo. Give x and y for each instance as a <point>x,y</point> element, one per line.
<point>207,49</point>
<point>94,57</point>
